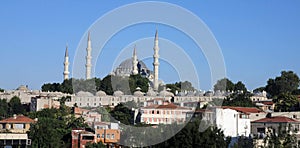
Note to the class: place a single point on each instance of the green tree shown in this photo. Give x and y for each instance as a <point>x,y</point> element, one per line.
<point>287,82</point>
<point>259,89</point>
<point>138,81</point>
<point>239,99</point>
<point>54,87</point>
<point>240,86</point>
<point>123,114</point>
<point>3,108</point>
<point>224,85</point>
<point>106,85</point>
<point>1,90</point>
<point>66,86</point>
<point>285,102</point>
<point>15,106</point>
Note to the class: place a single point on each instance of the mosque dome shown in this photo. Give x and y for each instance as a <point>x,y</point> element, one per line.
<point>84,94</point>
<point>100,93</point>
<point>22,88</point>
<point>138,93</point>
<point>118,93</point>
<point>126,67</point>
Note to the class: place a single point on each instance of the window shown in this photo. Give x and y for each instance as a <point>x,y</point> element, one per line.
<point>102,136</point>
<point>19,126</point>
<point>98,135</point>
<point>112,136</point>
<point>87,104</point>
<point>153,112</point>
<point>157,112</point>
<point>107,136</point>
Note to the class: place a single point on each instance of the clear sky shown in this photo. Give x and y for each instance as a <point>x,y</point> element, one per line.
<point>258,38</point>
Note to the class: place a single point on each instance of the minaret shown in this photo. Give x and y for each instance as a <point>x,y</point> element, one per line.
<point>134,62</point>
<point>88,64</point>
<point>66,64</point>
<point>155,62</point>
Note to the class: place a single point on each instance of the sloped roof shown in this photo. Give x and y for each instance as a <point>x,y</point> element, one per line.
<point>276,119</point>
<point>168,106</point>
<point>246,110</point>
<point>17,119</point>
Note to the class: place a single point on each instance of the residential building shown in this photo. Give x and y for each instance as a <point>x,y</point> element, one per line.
<point>81,137</point>
<point>163,114</point>
<point>13,131</point>
<point>107,132</point>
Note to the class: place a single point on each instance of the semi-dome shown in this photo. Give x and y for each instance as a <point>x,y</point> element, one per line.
<point>84,94</point>
<point>165,93</point>
<point>100,93</point>
<point>118,93</point>
<point>138,93</point>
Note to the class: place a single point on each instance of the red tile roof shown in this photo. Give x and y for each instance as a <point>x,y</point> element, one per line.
<point>246,110</point>
<point>17,119</point>
<point>276,119</point>
<point>268,102</point>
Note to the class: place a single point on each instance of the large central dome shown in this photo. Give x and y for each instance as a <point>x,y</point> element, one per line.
<point>126,67</point>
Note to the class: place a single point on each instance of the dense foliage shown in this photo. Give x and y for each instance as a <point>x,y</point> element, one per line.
<point>180,87</point>
<point>109,84</point>
<point>53,128</point>
<point>14,106</point>
<point>224,85</point>
<point>288,81</point>
<point>188,136</point>
<point>239,99</point>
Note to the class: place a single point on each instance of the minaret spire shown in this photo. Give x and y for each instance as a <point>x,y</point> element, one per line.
<point>134,62</point>
<point>66,64</point>
<point>155,62</point>
<point>88,64</point>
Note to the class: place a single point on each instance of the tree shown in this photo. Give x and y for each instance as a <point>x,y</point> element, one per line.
<point>224,85</point>
<point>240,86</point>
<point>287,82</point>
<point>3,108</point>
<point>55,87</point>
<point>1,90</point>
<point>106,85</point>
<point>123,114</point>
<point>259,89</point>
<point>67,87</point>
<point>15,106</point>
<point>285,102</point>
<point>239,99</point>
<point>138,81</point>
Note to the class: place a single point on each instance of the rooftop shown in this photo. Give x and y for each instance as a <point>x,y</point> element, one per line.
<point>246,110</point>
<point>17,119</point>
<point>276,119</point>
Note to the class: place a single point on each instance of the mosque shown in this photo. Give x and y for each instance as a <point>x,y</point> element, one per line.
<point>130,66</point>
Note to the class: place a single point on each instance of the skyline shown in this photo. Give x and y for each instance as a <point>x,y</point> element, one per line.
<point>254,49</point>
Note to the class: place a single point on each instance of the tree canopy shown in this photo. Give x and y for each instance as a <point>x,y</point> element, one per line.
<point>288,81</point>
<point>224,85</point>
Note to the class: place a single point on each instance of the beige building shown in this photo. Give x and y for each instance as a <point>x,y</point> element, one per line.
<point>13,131</point>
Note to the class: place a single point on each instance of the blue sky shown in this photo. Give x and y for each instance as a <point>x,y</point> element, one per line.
<point>258,38</point>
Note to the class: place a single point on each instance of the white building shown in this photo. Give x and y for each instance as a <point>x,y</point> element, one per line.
<point>232,121</point>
